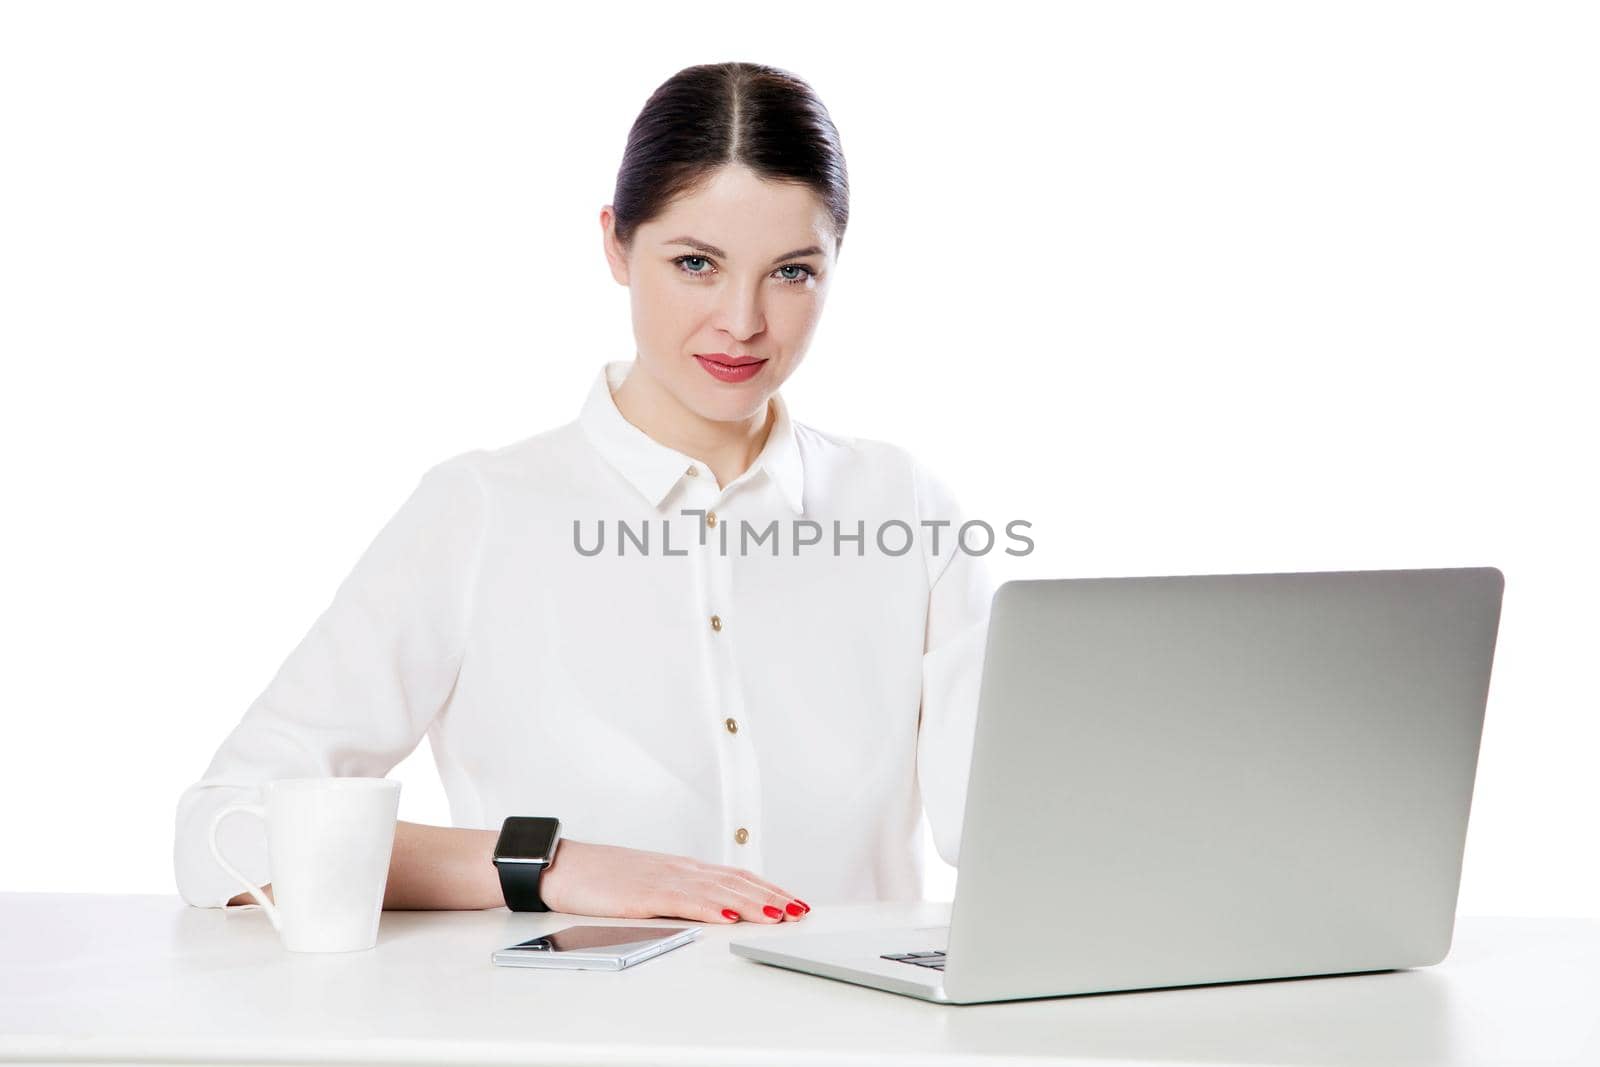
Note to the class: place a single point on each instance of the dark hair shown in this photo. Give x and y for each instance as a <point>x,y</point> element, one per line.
<point>706,116</point>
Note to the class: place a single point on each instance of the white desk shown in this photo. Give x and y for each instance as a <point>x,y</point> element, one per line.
<point>91,977</point>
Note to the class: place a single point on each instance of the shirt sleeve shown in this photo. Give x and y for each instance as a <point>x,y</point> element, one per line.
<point>960,589</point>
<point>359,691</point>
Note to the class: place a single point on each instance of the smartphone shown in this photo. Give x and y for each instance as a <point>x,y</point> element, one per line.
<point>595,948</point>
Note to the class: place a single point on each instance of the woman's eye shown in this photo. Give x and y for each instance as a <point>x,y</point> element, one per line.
<point>703,267</point>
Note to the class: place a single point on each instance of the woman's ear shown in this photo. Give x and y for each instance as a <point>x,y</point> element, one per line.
<point>616,255</point>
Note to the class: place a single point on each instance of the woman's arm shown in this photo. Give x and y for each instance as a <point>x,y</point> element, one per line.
<point>961,587</point>
<point>434,868</point>
<point>443,867</point>
<point>362,687</point>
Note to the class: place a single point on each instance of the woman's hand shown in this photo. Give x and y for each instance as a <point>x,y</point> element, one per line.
<point>627,883</point>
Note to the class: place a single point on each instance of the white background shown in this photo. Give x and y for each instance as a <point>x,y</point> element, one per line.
<point>1193,288</point>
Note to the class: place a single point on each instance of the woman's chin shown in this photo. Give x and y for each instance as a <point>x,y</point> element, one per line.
<point>729,403</point>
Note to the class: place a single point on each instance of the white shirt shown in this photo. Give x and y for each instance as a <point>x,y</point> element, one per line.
<point>790,713</point>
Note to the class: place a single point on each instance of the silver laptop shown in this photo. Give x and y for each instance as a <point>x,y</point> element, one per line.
<point>1198,779</point>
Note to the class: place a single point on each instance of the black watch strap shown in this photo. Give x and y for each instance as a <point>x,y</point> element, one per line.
<point>519,882</point>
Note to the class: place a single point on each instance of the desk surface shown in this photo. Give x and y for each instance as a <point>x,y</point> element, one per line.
<point>123,978</point>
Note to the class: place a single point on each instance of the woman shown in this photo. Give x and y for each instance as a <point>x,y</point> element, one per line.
<point>580,625</point>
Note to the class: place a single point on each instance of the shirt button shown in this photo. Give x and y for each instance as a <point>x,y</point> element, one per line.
<point>741,835</point>
<point>711,518</point>
<point>716,622</point>
<point>732,726</point>
<point>693,472</point>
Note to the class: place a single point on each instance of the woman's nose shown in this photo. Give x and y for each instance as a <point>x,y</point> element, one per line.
<point>740,313</point>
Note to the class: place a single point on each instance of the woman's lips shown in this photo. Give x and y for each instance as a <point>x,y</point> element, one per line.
<point>725,372</point>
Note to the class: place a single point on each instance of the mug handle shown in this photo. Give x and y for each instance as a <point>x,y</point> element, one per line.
<point>260,811</point>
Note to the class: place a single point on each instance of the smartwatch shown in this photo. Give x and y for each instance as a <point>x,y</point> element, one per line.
<point>527,845</point>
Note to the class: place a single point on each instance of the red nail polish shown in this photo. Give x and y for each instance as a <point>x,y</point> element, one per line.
<point>772,913</point>
<point>795,908</point>
<point>729,913</point>
<point>803,904</point>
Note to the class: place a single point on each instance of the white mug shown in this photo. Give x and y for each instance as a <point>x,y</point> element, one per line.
<point>328,846</point>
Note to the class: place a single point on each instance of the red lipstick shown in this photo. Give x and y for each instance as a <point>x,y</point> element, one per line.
<point>726,368</point>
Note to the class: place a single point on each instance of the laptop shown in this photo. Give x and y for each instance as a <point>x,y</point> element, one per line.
<point>1201,779</point>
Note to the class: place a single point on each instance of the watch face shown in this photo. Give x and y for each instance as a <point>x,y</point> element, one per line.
<point>527,838</point>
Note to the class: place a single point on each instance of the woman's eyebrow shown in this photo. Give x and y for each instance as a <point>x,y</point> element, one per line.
<point>713,250</point>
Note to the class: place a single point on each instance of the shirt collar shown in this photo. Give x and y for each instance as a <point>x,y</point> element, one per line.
<point>654,469</point>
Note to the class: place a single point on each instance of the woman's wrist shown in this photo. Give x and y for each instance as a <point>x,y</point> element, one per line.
<point>442,868</point>
<point>554,877</point>
<point>484,876</point>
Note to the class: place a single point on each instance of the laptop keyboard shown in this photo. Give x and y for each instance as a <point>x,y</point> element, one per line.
<point>932,960</point>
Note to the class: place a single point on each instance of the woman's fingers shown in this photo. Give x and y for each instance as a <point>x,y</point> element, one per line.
<point>789,906</point>
<point>697,902</point>
<point>751,904</point>
<point>786,896</point>
<point>754,879</point>
<point>721,899</point>
<point>759,902</point>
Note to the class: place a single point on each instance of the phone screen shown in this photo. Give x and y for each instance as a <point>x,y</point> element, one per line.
<point>588,938</point>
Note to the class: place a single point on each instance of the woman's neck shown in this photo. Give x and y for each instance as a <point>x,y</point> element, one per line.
<point>728,448</point>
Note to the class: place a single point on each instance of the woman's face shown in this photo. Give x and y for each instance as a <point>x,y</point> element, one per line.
<point>733,272</point>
